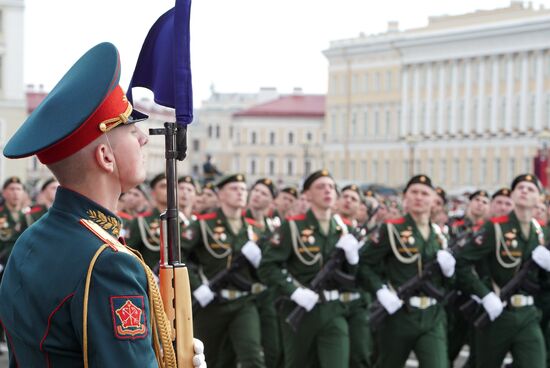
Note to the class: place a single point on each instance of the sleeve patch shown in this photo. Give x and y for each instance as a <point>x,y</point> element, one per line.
<point>129,319</point>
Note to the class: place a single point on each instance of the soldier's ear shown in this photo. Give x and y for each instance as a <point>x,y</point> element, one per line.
<point>104,157</point>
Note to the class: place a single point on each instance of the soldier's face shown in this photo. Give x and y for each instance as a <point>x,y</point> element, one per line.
<point>127,142</point>
<point>419,198</point>
<point>134,199</point>
<point>186,194</point>
<point>438,205</point>
<point>284,201</point>
<point>159,193</point>
<point>14,194</point>
<point>501,206</point>
<point>540,213</point>
<point>479,206</point>
<point>348,203</point>
<point>260,197</point>
<point>525,195</point>
<point>210,199</point>
<point>322,193</point>
<point>233,195</point>
<point>49,191</point>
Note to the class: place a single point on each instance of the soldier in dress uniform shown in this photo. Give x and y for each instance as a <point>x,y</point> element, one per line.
<point>136,201</point>
<point>144,230</point>
<point>209,199</point>
<point>507,243</point>
<point>439,210</point>
<point>501,203</point>
<point>73,295</point>
<point>228,321</point>
<point>476,214</point>
<point>44,201</point>
<point>400,251</point>
<point>285,201</point>
<point>187,194</point>
<point>355,299</point>
<point>261,199</point>
<point>12,218</point>
<point>293,256</point>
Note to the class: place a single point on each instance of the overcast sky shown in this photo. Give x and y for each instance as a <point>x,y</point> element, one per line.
<point>236,45</point>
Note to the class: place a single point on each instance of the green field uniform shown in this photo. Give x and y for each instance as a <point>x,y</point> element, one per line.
<point>265,301</point>
<point>292,258</point>
<point>503,248</point>
<point>10,229</point>
<point>542,301</point>
<point>32,214</point>
<point>230,325</point>
<point>393,257</point>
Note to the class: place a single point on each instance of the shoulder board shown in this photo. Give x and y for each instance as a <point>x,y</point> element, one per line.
<point>104,236</point>
<point>397,221</point>
<point>458,223</point>
<point>346,221</point>
<point>124,215</point>
<point>145,213</point>
<point>300,217</point>
<point>207,216</point>
<point>500,220</point>
<point>36,209</point>
<point>251,221</point>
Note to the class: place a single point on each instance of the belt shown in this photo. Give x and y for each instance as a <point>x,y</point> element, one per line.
<point>519,301</point>
<point>257,288</point>
<point>421,302</point>
<point>347,297</point>
<point>232,294</point>
<point>330,295</point>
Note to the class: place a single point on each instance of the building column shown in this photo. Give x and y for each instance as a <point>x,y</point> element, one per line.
<point>454,97</point>
<point>467,97</point>
<point>404,100</point>
<point>509,93</point>
<point>428,118</point>
<point>539,93</point>
<point>494,95</point>
<point>416,100</point>
<point>480,95</point>
<point>523,94</point>
<point>441,99</point>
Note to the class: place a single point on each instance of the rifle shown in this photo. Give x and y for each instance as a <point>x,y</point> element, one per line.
<point>330,271</point>
<point>419,283</point>
<point>519,281</point>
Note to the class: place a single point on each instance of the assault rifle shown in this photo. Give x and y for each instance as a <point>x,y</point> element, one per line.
<point>330,271</point>
<point>518,282</point>
<point>420,283</point>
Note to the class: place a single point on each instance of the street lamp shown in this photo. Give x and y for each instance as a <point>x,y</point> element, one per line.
<point>412,141</point>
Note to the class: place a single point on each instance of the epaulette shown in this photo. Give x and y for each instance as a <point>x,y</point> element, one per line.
<point>300,217</point>
<point>104,236</point>
<point>500,220</point>
<point>346,221</point>
<point>31,210</point>
<point>397,221</point>
<point>207,216</point>
<point>124,215</point>
<point>541,223</point>
<point>251,221</point>
<point>458,223</point>
<point>145,213</point>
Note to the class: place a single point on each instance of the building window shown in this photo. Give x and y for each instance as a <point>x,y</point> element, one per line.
<point>366,83</point>
<point>217,131</point>
<point>195,170</point>
<point>406,170</point>
<point>377,81</point>
<point>271,166</point>
<point>334,125</point>
<point>353,125</point>
<point>289,167</point>
<point>366,123</point>
<point>210,131</point>
<point>231,132</point>
<point>496,171</point>
<point>430,168</point>
<point>511,169</point>
<point>469,171</point>
<point>196,145</point>
<point>253,138</point>
<point>290,138</point>
<point>374,171</point>
<point>456,170</point>
<point>376,121</point>
<point>388,122</point>
<point>272,138</point>
<point>252,167</point>
<point>443,170</point>
<point>364,174</point>
<point>309,136</point>
<point>388,81</point>
<point>386,175</point>
<point>528,165</point>
<point>353,170</point>
<point>482,170</point>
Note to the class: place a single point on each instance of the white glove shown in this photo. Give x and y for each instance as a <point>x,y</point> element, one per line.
<point>198,358</point>
<point>389,300</point>
<point>541,256</point>
<point>446,262</point>
<point>305,298</point>
<point>493,305</point>
<point>252,252</point>
<point>351,246</point>
<point>204,295</point>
